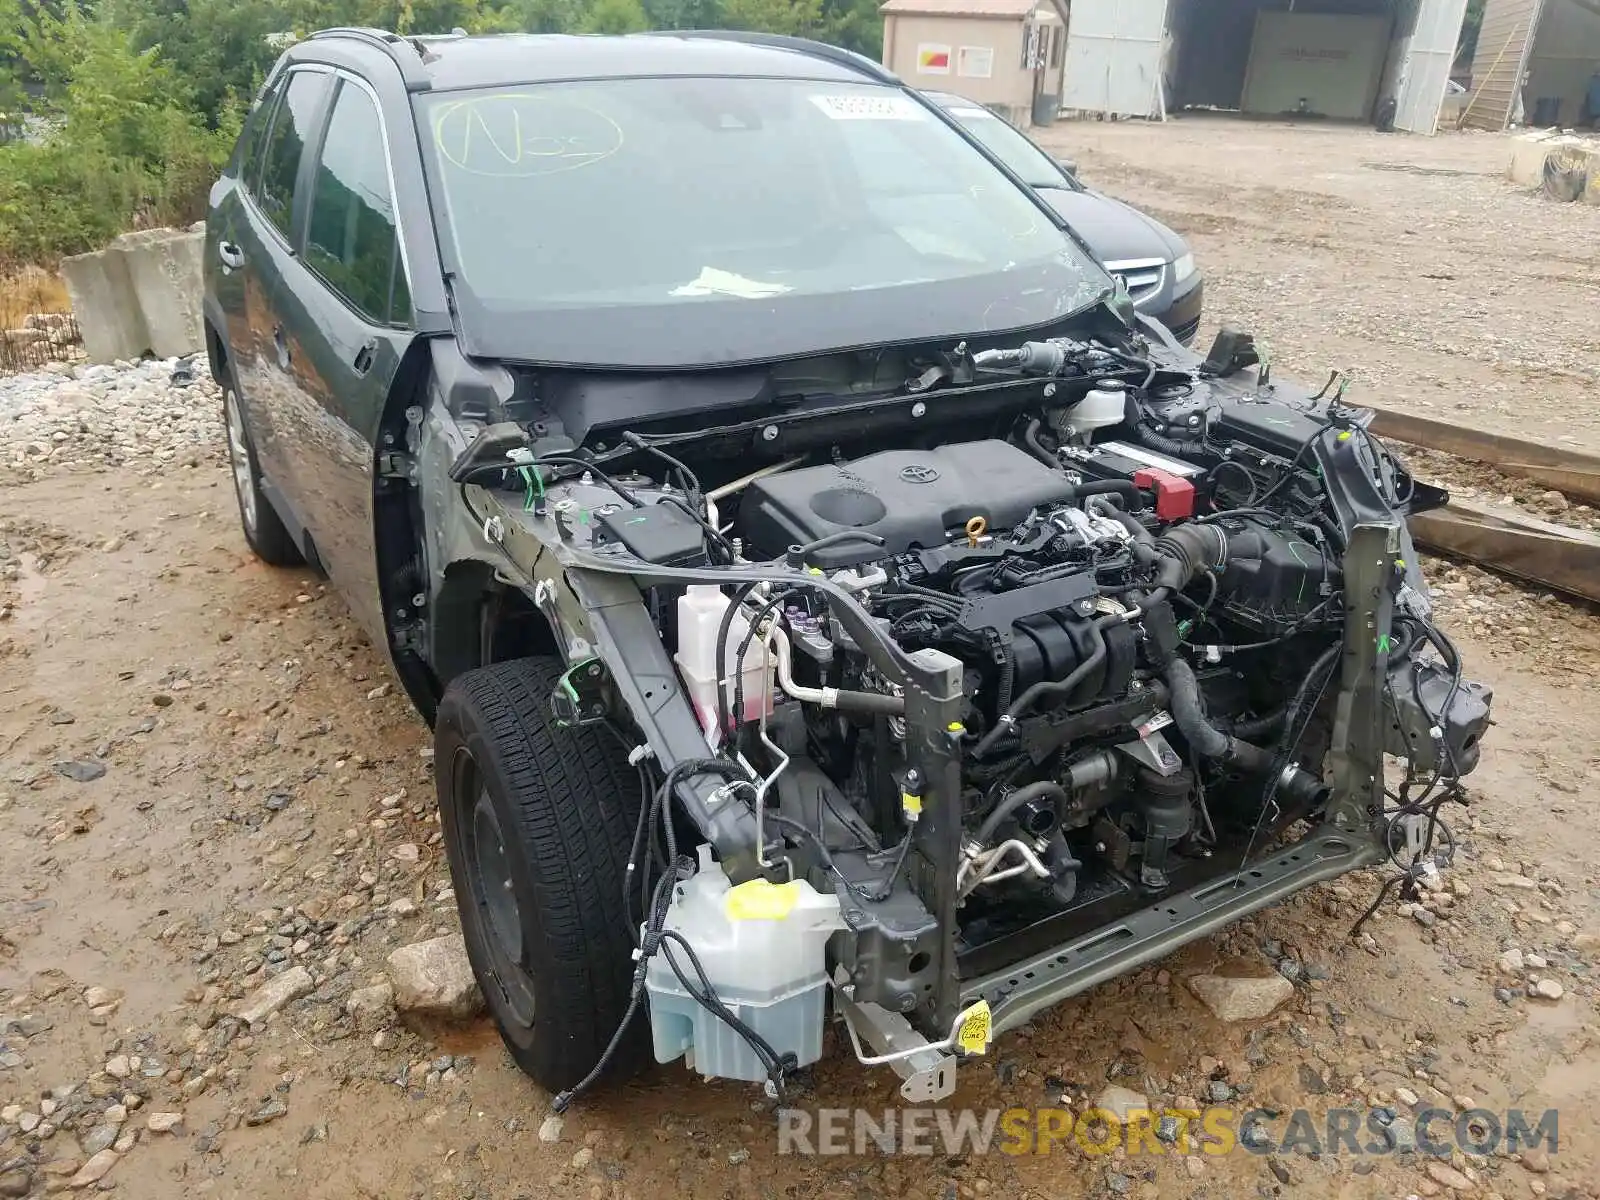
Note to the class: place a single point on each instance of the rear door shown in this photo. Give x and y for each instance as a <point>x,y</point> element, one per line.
<point>233,281</point>
<point>344,321</point>
<point>267,232</point>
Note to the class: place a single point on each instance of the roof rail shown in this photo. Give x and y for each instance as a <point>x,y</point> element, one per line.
<point>837,55</point>
<point>405,53</point>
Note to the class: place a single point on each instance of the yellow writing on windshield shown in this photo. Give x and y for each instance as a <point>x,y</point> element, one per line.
<point>522,134</point>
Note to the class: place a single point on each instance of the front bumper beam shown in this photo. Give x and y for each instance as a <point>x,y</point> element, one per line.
<point>1015,995</point>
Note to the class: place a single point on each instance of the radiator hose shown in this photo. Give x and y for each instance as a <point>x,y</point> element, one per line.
<point>1208,741</point>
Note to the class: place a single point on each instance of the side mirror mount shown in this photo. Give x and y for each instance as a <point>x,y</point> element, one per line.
<point>1068,165</point>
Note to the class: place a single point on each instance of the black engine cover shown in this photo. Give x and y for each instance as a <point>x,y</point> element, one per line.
<point>913,499</point>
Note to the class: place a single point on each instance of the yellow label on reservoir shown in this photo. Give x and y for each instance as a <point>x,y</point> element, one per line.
<point>975,1028</point>
<point>761,900</point>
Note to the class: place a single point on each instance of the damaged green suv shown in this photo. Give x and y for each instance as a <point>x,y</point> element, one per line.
<point>830,598</point>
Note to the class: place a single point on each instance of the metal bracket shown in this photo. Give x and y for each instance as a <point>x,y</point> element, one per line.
<point>1355,758</point>
<point>929,1074</point>
<point>1153,750</point>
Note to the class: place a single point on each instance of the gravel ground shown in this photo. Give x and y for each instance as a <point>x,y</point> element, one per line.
<point>1410,263</point>
<point>216,828</point>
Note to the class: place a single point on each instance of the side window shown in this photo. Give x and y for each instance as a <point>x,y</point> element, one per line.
<point>284,144</point>
<point>351,238</point>
<point>254,138</point>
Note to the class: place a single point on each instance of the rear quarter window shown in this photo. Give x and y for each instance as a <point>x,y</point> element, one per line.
<point>253,139</point>
<point>285,144</point>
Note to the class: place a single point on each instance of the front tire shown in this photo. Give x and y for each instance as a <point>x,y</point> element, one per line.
<point>263,529</point>
<point>538,823</point>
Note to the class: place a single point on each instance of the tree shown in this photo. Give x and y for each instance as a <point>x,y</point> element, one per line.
<point>1470,28</point>
<point>219,47</point>
<point>129,149</point>
<point>798,18</point>
<point>615,16</point>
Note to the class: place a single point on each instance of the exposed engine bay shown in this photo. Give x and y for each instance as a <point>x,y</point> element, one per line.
<point>998,693</point>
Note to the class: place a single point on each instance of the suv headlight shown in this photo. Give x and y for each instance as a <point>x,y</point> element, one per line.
<point>1183,268</point>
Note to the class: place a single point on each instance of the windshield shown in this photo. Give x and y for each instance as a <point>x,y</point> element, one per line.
<point>698,221</point>
<point>1031,164</point>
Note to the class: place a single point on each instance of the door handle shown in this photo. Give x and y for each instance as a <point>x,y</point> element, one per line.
<point>231,256</point>
<point>282,345</point>
<point>364,356</point>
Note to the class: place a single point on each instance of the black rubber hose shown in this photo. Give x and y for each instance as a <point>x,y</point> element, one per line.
<point>724,628</point>
<point>1173,448</point>
<point>839,537</point>
<point>1094,487</point>
<point>1207,740</point>
<point>1140,535</point>
<point>1045,789</point>
<point>1113,487</point>
<point>1030,438</point>
<point>1259,726</point>
<point>1187,550</point>
<point>870,702</point>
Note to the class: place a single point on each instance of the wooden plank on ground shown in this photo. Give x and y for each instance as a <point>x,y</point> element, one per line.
<point>1554,556</point>
<point>1574,472</point>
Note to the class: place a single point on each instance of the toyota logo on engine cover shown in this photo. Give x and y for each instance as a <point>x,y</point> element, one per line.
<point>918,473</point>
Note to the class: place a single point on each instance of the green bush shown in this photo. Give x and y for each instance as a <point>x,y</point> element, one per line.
<point>128,150</point>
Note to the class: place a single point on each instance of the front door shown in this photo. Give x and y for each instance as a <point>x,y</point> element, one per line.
<point>344,311</point>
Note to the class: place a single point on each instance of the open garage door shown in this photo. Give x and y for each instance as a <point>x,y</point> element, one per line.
<point>1425,66</point>
<point>1114,50</point>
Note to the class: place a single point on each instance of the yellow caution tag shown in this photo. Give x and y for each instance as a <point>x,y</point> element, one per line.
<point>910,805</point>
<point>975,1027</point>
<point>761,900</point>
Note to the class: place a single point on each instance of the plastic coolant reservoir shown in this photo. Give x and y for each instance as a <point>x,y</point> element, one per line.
<point>762,946</point>
<point>1101,406</point>
<point>700,611</point>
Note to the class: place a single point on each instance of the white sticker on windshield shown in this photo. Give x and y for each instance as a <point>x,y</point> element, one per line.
<point>715,282</point>
<point>891,107</point>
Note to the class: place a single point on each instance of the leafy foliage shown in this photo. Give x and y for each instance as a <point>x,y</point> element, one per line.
<point>133,105</point>
<point>125,146</point>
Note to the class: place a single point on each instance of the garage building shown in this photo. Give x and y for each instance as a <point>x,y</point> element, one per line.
<point>1352,60</point>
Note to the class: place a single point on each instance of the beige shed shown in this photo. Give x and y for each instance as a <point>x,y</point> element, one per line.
<point>1005,54</point>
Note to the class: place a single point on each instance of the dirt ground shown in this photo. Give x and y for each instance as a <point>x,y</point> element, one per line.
<point>1411,263</point>
<point>266,797</point>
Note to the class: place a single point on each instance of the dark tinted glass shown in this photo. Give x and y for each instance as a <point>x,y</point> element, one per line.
<point>255,136</point>
<point>290,127</point>
<point>674,207</point>
<point>351,239</point>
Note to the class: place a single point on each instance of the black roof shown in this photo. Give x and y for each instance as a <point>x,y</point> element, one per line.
<point>444,63</point>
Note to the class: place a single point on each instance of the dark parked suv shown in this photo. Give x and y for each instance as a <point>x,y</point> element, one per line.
<point>828,592</point>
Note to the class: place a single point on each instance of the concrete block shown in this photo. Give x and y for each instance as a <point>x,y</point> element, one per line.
<point>103,299</point>
<point>1529,151</point>
<point>164,268</point>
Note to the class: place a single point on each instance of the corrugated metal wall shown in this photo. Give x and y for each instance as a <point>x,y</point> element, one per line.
<point>1503,44</point>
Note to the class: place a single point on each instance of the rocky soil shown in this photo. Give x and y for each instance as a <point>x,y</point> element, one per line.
<point>228,952</point>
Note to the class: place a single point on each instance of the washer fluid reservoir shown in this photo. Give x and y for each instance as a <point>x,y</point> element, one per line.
<point>763,947</point>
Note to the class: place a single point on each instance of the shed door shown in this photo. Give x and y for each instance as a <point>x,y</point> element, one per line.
<point>1114,57</point>
<point>1504,42</point>
<point>1425,67</point>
